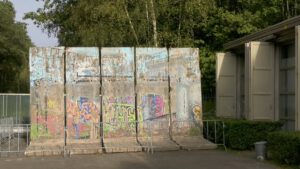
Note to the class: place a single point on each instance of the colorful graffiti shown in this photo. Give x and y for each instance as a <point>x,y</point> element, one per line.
<point>119,114</point>
<point>83,115</point>
<point>119,109</point>
<point>152,106</point>
<point>152,83</point>
<point>152,91</point>
<point>46,89</point>
<point>83,91</point>
<point>145,74</point>
<point>118,92</point>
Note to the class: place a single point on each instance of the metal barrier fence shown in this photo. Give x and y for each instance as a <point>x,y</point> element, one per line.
<point>15,128</point>
<point>214,131</point>
<point>15,138</point>
<point>16,106</point>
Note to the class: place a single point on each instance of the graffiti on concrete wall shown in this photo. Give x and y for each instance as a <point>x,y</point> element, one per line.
<point>82,92</point>
<point>185,83</point>
<point>83,117</point>
<point>46,89</point>
<point>129,79</point>
<point>152,106</point>
<point>117,66</point>
<point>152,88</point>
<point>119,109</point>
<point>152,83</point>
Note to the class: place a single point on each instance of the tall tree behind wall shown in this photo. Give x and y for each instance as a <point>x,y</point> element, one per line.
<point>206,24</point>
<point>14,46</point>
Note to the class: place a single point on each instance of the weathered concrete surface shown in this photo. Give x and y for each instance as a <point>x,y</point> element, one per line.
<point>46,90</point>
<point>121,144</point>
<point>56,148</point>
<point>37,151</point>
<point>119,127</point>
<point>117,73</point>
<point>194,143</point>
<point>160,143</point>
<point>119,100</point>
<point>49,147</point>
<point>207,159</point>
<point>152,84</point>
<point>83,90</point>
<point>185,82</point>
<point>89,148</point>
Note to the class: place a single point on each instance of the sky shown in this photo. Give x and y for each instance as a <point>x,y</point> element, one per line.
<point>38,37</point>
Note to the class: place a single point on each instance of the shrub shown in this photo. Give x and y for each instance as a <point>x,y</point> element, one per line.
<point>242,134</point>
<point>284,147</point>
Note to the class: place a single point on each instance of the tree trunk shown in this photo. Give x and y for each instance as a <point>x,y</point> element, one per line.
<point>295,6</point>
<point>154,23</point>
<point>179,25</point>
<point>130,23</point>
<point>147,16</point>
<point>288,8</point>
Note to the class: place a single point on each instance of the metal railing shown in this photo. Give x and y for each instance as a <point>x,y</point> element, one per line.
<point>15,128</point>
<point>214,131</point>
<point>15,138</point>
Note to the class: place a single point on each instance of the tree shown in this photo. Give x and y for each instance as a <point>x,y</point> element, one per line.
<point>14,45</point>
<point>206,24</point>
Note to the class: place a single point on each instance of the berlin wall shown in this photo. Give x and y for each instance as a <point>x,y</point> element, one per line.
<point>186,105</point>
<point>47,93</point>
<point>82,92</point>
<point>118,92</point>
<point>153,89</point>
<point>115,87</point>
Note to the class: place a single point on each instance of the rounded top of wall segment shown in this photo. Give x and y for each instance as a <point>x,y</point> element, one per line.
<point>87,51</point>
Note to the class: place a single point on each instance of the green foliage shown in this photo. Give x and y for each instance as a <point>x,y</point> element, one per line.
<point>209,108</point>
<point>206,24</point>
<point>14,45</point>
<point>242,134</point>
<point>207,65</point>
<point>284,147</point>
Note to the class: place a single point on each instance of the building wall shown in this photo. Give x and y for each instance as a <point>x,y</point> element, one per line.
<point>287,86</point>
<point>272,88</point>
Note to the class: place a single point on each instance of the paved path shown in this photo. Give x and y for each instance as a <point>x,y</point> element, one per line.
<point>203,159</point>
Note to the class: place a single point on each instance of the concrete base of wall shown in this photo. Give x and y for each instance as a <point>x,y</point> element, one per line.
<point>121,145</point>
<point>54,147</point>
<point>116,145</point>
<point>160,144</point>
<point>194,143</point>
<point>44,151</point>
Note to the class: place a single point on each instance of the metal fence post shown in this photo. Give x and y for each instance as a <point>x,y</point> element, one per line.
<point>18,138</point>
<point>215,124</point>
<point>27,139</point>
<point>6,105</point>
<point>207,130</point>
<point>224,139</point>
<point>9,136</point>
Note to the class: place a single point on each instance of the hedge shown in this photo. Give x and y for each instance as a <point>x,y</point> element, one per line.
<point>284,147</point>
<point>242,134</point>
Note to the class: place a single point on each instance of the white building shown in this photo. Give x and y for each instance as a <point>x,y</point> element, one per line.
<point>258,76</point>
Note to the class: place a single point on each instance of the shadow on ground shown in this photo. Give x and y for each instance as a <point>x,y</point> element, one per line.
<point>204,159</point>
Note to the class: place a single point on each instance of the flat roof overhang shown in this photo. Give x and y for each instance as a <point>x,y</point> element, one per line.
<point>281,32</point>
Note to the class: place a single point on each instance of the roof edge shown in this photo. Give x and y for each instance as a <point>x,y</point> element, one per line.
<point>284,25</point>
